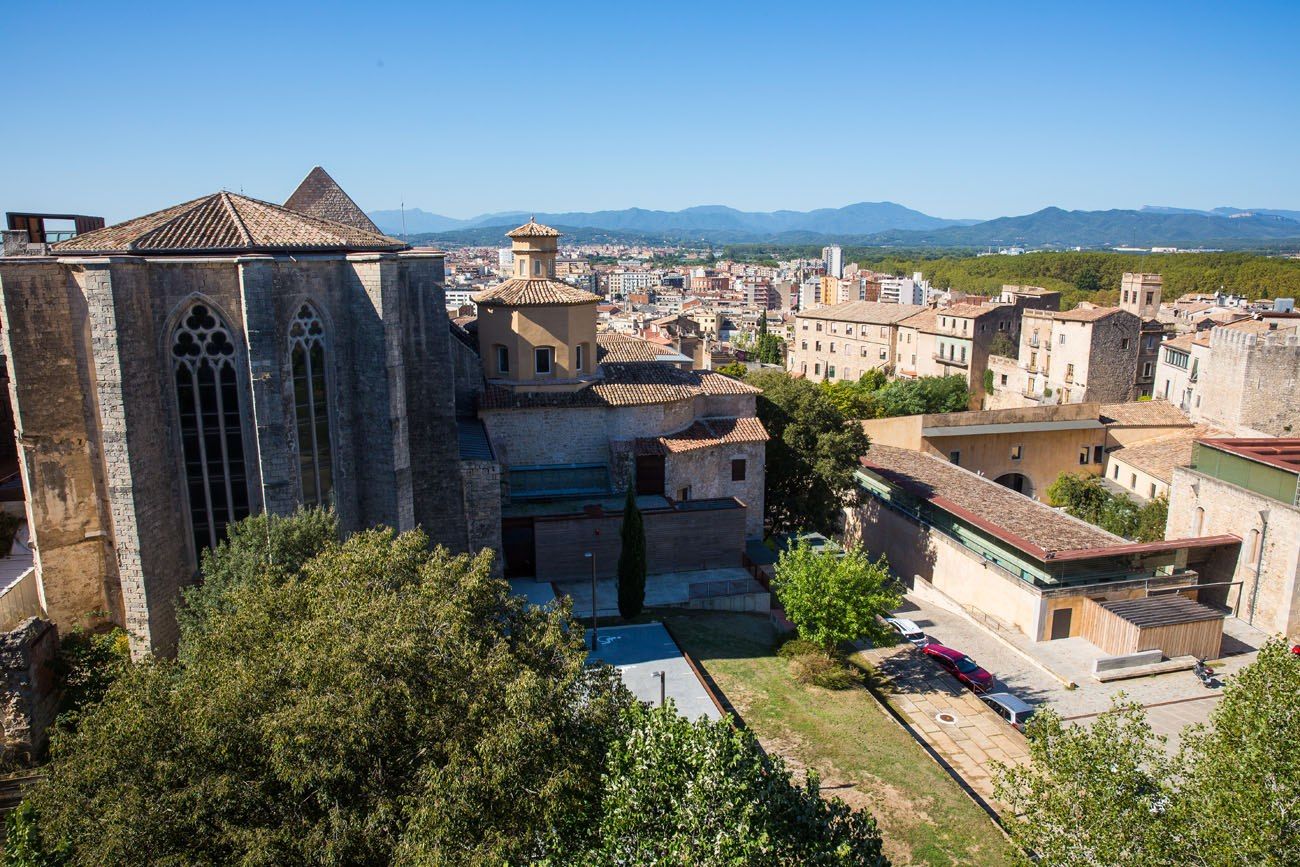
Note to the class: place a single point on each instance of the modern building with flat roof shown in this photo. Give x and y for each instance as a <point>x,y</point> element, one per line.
<point>1251,489</point>
<point>1013,560</point>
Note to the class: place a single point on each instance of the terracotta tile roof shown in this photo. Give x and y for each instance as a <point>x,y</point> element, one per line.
<point>966,494</point>
<point>922,320</point>
<point>320,196</point>
<point>1183,343</point>
<point>227,223</point>
<point>1085,314</point>
<point>526,292</point>
<point>867,312</point>
<point>622,385</point>
<point>703,434</point>
<point>1158,457</point>
<point>614,348</point>
<point>533,229</point>
<point>967,310</point>
<point>1143,413</point>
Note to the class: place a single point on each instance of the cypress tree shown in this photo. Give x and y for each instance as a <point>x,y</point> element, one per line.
<point>631,560</point>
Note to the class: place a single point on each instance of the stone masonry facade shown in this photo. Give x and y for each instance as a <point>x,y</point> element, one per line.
<point>1251,383</point>
<point>95,403</point>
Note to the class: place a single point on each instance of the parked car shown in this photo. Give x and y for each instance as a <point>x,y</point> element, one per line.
<point>908,630</point>
<point>1009,707</point>
<point>960,666</point>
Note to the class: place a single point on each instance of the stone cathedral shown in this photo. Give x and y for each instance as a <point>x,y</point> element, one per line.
<point>179,371</point>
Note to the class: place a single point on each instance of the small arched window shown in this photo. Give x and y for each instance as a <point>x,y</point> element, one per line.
<point>1200,521</point>
<point>307,355</point>
<point>212,441</point>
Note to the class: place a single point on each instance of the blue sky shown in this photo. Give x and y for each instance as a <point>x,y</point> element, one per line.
<point>957,109</point>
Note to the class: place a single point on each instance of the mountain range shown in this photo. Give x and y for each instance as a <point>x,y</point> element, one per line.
<point>875,224</point>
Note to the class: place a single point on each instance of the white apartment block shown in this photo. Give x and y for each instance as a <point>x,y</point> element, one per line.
<point>623,282</point>
<point>833,260</point>
<point>905,290</point>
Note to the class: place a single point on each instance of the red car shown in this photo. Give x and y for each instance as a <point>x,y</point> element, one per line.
<point>960,666</point>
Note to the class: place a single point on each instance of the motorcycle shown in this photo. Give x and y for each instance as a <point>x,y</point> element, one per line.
<point>1204,674</point>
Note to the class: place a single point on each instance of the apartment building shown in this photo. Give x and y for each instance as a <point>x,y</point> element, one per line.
<point>621,283</point>
<point>904,290</point>
<point>843,341</point>
<point>1086,354</point>
<point>954,340</point>
<point>1178,369</point>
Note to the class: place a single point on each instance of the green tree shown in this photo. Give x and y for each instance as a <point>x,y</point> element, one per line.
<point>735,370</point>
<point>371,702</point>
<point>1240,775</point>
<point>812,453</point>
<point>1108,793</point>
<point>770,349</point>
<point>1002,346</point>
<point>631,559</point>
<point>833,598</point>
<point>1093,794</point>
<point>703,793</point>
<point>926,394</point>
<point>1152,518</point>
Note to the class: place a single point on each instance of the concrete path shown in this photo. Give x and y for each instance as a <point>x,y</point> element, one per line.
<point>947,717</point>
<point>641,650</point>
<point>1173,700</point>
<point>664,589</point>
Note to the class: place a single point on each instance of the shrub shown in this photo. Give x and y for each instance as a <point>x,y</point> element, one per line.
<point>821,670</point>
<point>796,647</point>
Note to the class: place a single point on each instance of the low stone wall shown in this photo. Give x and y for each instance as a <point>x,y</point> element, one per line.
<point>28,694</point>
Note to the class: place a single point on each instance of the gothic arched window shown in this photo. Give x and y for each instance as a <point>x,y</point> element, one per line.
<point>212,440</point>
<point>311,406</point>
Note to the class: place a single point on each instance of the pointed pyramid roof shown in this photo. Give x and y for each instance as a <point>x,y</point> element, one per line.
<point>225,223</point>
<point>533,229</point>
<point>319,195</point>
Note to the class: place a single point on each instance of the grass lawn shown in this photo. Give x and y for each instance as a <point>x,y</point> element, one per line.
<point>862,755</point>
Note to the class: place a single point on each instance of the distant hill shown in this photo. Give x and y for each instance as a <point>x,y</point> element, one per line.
<point>1054,227</point>
<point>415,222</point>
<point>1223,212</point>
<point>1046,229</point>
<point>715,221</point>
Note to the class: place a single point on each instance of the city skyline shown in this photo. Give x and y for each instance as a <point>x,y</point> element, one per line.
<point>957,116</point>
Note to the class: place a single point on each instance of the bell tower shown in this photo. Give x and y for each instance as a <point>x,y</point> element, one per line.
<point>535,247</point>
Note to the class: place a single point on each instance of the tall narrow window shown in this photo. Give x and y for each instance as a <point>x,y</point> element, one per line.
<point>311,407</point>
<point>212,441</point>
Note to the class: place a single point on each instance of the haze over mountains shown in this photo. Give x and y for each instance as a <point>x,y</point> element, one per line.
<point>877,223</point>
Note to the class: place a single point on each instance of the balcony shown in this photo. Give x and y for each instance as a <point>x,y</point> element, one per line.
<point>951,362</point>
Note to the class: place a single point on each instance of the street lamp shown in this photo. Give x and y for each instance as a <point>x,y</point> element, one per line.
<point>592,557</point>
<point>662,681</point>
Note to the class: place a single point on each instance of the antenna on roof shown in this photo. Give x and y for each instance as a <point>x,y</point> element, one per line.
<point>402,205</point>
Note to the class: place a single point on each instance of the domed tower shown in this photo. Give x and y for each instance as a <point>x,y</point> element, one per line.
<point>534,332</point>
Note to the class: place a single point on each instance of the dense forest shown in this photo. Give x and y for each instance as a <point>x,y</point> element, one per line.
<point>1080,276</point>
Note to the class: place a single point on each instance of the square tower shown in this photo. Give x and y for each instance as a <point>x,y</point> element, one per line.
<point>1139,294</point>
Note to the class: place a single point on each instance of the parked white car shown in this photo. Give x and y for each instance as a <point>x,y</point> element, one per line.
<point>908,630</point>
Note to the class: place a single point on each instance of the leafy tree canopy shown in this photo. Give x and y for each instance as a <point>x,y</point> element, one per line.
<point>703,793</point>
<point>1086,498</point>
<point>1110,794</point>
<point>811,456</point>
<point>373,702</point>
<point>833,599</point>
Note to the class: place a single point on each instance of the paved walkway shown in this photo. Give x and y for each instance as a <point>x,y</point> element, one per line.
<point>664,589</point>
<point>638,652</point>
<point>1173,700</point>
<point>947,717</point>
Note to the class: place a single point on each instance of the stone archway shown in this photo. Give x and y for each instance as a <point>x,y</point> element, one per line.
<point>1017,482</point>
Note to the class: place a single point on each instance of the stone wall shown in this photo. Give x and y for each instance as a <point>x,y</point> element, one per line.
<point>46,342</point>
<point>1112,363</point>
<point>707,472</point>
<point>1200,505</point>
<point>29,697</point>
<point>1250,383</point>
<point>481,487</point>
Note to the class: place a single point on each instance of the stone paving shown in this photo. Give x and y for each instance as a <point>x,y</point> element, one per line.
<point>948,718</point>
<point>1173,700</point>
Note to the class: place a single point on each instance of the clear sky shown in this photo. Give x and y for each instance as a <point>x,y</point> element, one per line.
<point>957,109</point>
